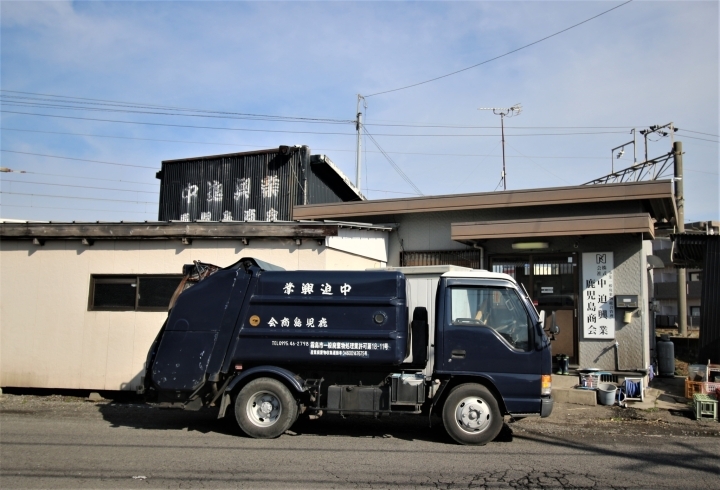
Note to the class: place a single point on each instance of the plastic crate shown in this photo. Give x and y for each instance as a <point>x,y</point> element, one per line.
<point>705,406</point>
<point>710,388</point>
<point>713,371</point>
<point>589,381</point>
<point>700,387</point>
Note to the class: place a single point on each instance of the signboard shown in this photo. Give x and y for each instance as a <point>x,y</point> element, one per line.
<point>598,305</point>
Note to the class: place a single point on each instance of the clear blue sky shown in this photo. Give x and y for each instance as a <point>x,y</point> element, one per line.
<point>642,64</point>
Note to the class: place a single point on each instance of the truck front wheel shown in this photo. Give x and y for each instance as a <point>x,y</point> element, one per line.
<point>265,408</point>
<point>471,415</point>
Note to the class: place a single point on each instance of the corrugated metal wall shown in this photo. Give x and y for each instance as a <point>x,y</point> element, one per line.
<point>251,186</point>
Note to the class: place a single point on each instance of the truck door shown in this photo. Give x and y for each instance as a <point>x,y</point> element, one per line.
<point>487,330</point>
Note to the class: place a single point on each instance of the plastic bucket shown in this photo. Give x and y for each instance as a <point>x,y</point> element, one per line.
<point>606,393</point>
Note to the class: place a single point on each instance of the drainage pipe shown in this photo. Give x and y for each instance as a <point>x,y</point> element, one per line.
<point>617,356</point>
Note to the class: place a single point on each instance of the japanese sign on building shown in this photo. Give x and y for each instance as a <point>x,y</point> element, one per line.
<point>597,296</point>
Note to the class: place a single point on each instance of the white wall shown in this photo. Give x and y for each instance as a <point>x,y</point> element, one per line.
<point>49,339</point>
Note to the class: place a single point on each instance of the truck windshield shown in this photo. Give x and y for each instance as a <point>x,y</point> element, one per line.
<point>498,308</point>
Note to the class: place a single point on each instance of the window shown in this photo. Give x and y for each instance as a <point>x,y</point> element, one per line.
<point>498,308</point>
<point>695,276</point>
<point>694,311</point>
<point>132,292</point>
<point>465,258</point>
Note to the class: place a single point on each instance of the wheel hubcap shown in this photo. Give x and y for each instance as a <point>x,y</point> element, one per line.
<point>472,415</point>
<point>264,409</point>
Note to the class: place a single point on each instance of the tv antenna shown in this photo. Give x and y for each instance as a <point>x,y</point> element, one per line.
<point>503,113</point>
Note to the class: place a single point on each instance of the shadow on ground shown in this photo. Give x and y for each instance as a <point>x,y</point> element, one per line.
<point>404,427</point>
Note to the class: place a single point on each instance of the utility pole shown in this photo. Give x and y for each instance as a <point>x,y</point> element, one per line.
<point>680,202</point>
<point>503,113</point>
<point>358,127</point>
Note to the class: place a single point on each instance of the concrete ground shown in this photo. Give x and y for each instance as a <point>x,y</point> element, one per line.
<point>662,394</point>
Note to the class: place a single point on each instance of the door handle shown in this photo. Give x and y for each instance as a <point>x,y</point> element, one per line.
<point>458,354</point>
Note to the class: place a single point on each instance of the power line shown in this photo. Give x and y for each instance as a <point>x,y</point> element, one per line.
<point>694,138</point>
<point>175,125</point>
<point>275,118</point>
<point>89,178</point>
<point>76,209</point>
<point>216,116</point>
<point>78,159</point>
<point>502,55</point>
<point>140,105</point>
<point>78,186</point>
<point>296,120</point>
<point>301,132</point>
<point>319,149</point>
<point>698,132</point>
<point>394,165</point>
<point>77,197</point>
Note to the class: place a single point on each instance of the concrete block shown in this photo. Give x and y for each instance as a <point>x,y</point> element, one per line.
<point>561,395</point>
<point>582,397</point>
<point>95,397</point>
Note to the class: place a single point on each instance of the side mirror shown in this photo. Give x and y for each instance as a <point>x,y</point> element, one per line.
<point>554,329</point>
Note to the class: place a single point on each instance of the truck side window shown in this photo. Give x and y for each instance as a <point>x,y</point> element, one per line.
<point>498,308</point>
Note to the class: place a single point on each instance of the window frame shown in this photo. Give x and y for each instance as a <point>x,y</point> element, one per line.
<point>521,302</point>
<point>126,279</point>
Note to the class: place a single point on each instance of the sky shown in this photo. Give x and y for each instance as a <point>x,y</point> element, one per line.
<point>582,91</point>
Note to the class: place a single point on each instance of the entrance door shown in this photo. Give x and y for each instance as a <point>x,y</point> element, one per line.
<point>552,282</point>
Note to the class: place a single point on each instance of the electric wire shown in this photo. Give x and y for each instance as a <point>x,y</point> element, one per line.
<point>502,55</point>
<point>77,159</point>
<point>695,138</point>
<point>106,102</point>
<point>76,209</point>
<point>319,149</point>
<point>301,132</point>
<point>392,162</point>
<point>77,197</point>
<point>216,116</point>
<point>698,132</point>
<point>77,186</point>
<point>276,118</point>
<point>537,164</point>
<point>81,177</point>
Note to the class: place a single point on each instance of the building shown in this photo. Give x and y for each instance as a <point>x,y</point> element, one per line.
<point>82,302</point>
<point>581,252</point>
<point>665,281</point>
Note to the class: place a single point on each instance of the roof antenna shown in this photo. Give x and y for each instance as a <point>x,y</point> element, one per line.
<point>503,113</point>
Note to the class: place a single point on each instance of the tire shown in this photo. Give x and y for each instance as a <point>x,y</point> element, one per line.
<point>471,415</point>
<point>265,408</point>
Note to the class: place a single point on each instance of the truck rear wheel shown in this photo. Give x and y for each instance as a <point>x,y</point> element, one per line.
<point>471,415</point>
<point>265,408</point>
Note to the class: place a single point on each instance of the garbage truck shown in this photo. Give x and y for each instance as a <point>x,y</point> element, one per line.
<point>270,345</point>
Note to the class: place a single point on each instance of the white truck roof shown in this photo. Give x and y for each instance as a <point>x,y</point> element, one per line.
<point>479,274</point>
<point>450,271</point>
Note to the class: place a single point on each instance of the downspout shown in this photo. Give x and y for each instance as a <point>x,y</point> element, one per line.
<point>617,356</point>
<point>306,168</point>
<point>482,253</point>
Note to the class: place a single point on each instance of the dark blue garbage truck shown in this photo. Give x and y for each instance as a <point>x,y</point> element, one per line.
<point>272,345</point>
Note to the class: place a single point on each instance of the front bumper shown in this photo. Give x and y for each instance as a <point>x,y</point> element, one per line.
<point>546,406</point>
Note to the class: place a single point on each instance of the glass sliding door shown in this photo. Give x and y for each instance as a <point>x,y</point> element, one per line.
<point>552,282</point>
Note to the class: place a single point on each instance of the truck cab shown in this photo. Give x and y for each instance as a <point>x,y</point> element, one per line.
<point>464,344</point>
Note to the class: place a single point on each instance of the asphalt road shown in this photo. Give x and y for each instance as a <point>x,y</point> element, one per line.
<point>71,444</point>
